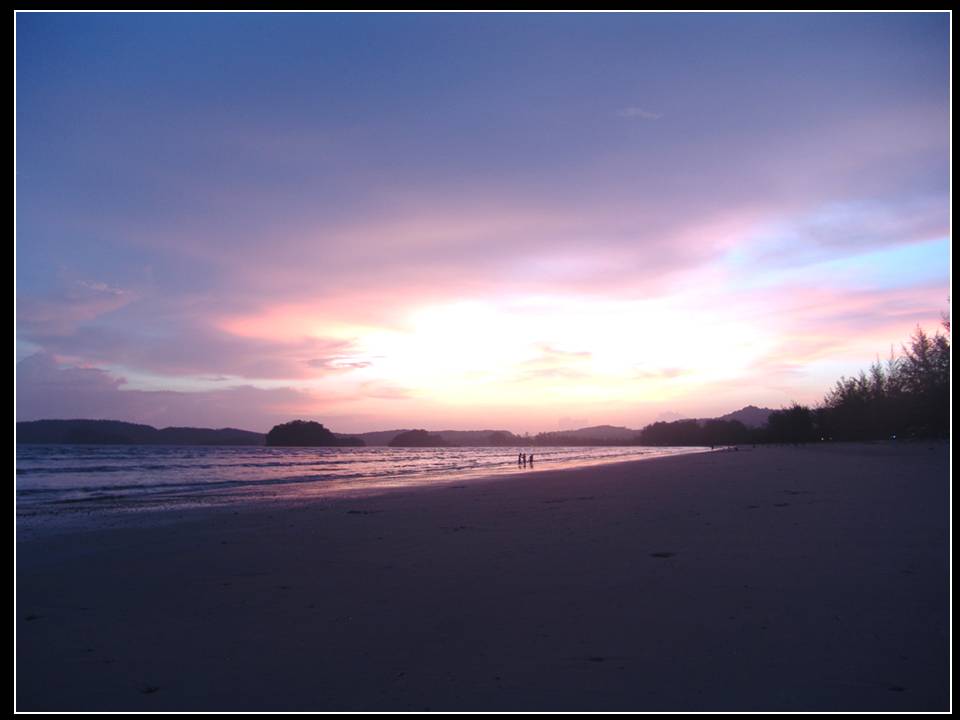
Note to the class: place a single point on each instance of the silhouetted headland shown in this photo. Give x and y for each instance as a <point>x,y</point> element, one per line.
<point>115,432</point>
<point>306,433</point>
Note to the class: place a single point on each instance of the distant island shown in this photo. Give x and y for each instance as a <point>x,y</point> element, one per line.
<point>418,438</point>
<point>306,433</point>
<point>115,432</point>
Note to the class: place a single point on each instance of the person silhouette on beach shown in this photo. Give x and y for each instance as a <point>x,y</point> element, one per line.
<point>531,459</point>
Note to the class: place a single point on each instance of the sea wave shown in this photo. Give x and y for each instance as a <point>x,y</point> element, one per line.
<point>49,477</point>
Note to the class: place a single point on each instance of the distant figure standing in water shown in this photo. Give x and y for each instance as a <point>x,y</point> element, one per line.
<point>519,458</point>
<point>531,459</point>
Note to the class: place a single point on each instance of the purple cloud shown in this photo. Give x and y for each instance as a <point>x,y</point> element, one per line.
<point>47,389</point>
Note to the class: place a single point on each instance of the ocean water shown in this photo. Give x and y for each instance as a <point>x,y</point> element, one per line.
<point>52,479</point>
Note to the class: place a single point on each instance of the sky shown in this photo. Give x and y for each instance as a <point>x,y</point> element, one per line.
<point>528,222</point>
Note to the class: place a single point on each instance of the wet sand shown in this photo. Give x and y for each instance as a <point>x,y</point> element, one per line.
<point>770,579</point>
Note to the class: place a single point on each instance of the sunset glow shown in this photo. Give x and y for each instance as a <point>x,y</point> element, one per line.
<point>492,221</point>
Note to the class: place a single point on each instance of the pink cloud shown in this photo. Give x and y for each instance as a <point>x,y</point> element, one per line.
<point>822,330</point>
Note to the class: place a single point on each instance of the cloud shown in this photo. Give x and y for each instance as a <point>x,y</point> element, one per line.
<point>660,373</point>
<point>838,230</point>
<point>167,339</point>
<point>345,357</point>
<point>384,391</point>
<point>640,113</point>
<point>552,363</point>
<point>70,305</point>
<point>549,351</point>
<point>338,363</point>
<point>47,388</point>
<point>826,332</point>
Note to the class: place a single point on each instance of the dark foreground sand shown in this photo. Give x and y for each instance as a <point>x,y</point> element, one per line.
<point>770,579</point>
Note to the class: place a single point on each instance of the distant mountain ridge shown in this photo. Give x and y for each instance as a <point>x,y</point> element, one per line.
<point>462,438</point>
<point>597,432</point>
<point>418,438</point>
<point>751,416</point>
<point>116,432</point>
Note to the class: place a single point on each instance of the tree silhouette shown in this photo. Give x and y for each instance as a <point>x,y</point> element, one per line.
<point>910,397</point>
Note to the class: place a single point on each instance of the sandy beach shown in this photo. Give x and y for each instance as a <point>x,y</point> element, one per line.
<point>795,578</point>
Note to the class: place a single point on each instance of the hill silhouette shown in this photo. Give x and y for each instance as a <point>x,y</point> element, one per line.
<point>306,433</point>
<point>116,432</point>
<point>302,433</point>
<point>418,438</point>
<point>751,416</point>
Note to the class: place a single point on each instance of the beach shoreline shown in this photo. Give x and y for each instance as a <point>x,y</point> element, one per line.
<point>807,578</point>
<point>58,488</point>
